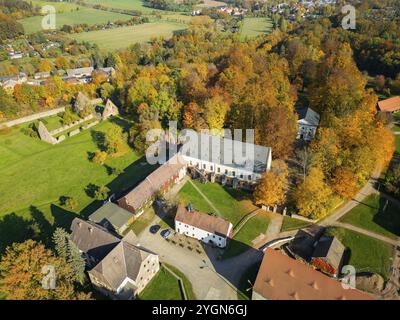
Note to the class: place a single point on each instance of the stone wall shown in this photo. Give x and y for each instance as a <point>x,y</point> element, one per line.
<point>64,128</point>
<point>32,117</point>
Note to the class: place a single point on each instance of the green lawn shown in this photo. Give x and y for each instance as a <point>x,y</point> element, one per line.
<point>293,224</point>
<point>164,286</point>
<point>83,15</point>
<point>364,253</point>
<point>59,6</point>
<point>53,122</point>
<point>370,215</point>
<point>137,5</point>
<point>232,204</point>
<point>253,27</point>
<point>34,175</point>
<point>117,38</point>
<point>242,240</point>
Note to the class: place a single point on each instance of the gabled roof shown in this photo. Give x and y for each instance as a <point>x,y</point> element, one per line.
<point>79,71</point>
<point>227,152</point>
<point>203,221</point>
<point>283,278</point>
<point>390,105</point>
<point>152,184</point>
<point>308,116</point>
<point>331,250</point>
<point>92,239</point>
<point>124,261</point>
<point>114,214</point>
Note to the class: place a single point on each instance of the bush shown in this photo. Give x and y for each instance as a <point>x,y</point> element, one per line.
<point>30,131</point>
<point>100,157</point>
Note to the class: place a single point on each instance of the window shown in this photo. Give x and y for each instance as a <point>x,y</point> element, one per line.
<point>234,173</point>
<point>249,176</point>
<point>212,168</point>
<point>226,171</point>
<point>241,176</point>
<point>219,170</point>
<point>204,166</point>
<point>214,236</point>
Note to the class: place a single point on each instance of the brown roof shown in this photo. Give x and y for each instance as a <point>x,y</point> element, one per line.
<point>390,105</point>
<point>124,261</point>
<point>93,239</point>
<point>153,183</point>
<point>283,278</point>
<point>203,221</point>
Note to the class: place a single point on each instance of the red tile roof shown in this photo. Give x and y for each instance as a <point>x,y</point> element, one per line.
<point>204,221</point>
<point>390,105</point>
<point>283,278</point>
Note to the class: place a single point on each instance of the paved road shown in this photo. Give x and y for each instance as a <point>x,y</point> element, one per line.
<point>207,283</point>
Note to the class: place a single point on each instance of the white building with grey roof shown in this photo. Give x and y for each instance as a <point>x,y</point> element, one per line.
<point>307,124</point>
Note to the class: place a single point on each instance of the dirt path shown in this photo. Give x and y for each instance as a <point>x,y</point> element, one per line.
<point>205,198</point>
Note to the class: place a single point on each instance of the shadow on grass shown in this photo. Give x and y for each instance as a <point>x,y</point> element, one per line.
<point>388,216</point>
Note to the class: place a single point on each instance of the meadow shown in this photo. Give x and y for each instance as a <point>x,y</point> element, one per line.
<point>59,6</point>
<point>34,175</point>
<point>253,27</point>
<point>118,38</point>
<point>83,15</point>
<point>137,5</point>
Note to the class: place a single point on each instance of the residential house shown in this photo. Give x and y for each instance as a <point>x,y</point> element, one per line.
<point>307,124</point>
<point>125,271</point>
<point>42,75</point>
<point>110,110</point>
<point>80,72</point>
<point>9,82</point>
<point>202,226</point>
<point>109,71</point>
<point>328,255</point>
<point>160,180</point>
<point>227,161</point>
<point>283,278</point>
<point>92,240</point>
<point>112,217</point>
<point>389,105</point>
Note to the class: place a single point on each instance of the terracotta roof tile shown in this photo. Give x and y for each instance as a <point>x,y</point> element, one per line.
<point>390,105</point>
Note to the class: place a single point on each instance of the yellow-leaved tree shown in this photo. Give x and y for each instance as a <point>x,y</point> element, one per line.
<point>313,196</point>
<point>273,186</point>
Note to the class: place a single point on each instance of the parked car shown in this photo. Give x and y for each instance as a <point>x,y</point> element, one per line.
<point>154,229</point>
<point>165,233</point>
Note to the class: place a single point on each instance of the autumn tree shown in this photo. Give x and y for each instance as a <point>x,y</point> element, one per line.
<point>273,186</point>
<point>44,66</point>
<point>23,273</point>
<point>313,196</point>
<point>344,182</point>
<point>100,157</point>
<point>114,141</point>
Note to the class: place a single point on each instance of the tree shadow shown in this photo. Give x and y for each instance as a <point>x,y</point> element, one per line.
<point>91,189</point>
<point>124,124</point>
<point>45,227</point>
<point>388,216</point>
<point>14,228</point>
<point>99,139</point>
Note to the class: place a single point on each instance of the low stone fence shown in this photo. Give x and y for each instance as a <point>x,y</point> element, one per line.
<point>69,126</point>
<point>32,117</point>
<point>296,216</point>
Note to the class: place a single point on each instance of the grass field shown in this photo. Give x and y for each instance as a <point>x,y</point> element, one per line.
<point>232,204</point>
<point>364,253</point>
<point>370,215</point>
<point>59,6</point>
<point>242,240</point>
<point>211,4</point>
<point>293,224</point>
<point>142,222</point>
<point>253,27</point>
<point>83,15</point>
<point>34,175</point>
<point>118,38</point>
<point>137,5</point>
<point>164,286</point>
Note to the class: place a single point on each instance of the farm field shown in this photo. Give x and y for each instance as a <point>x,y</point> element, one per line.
<point>137,5</point>
<point>211,4</point>
<point>45,173</point>
<point>83,15</point>
<point>364,253</point>
<point>374,215</point>
<point>253,27</point>
<point>118,38</point>
<point>59,6</point>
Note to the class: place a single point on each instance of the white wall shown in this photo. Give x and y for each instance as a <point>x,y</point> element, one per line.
<point>219,169</point>
<point>200,234</point>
